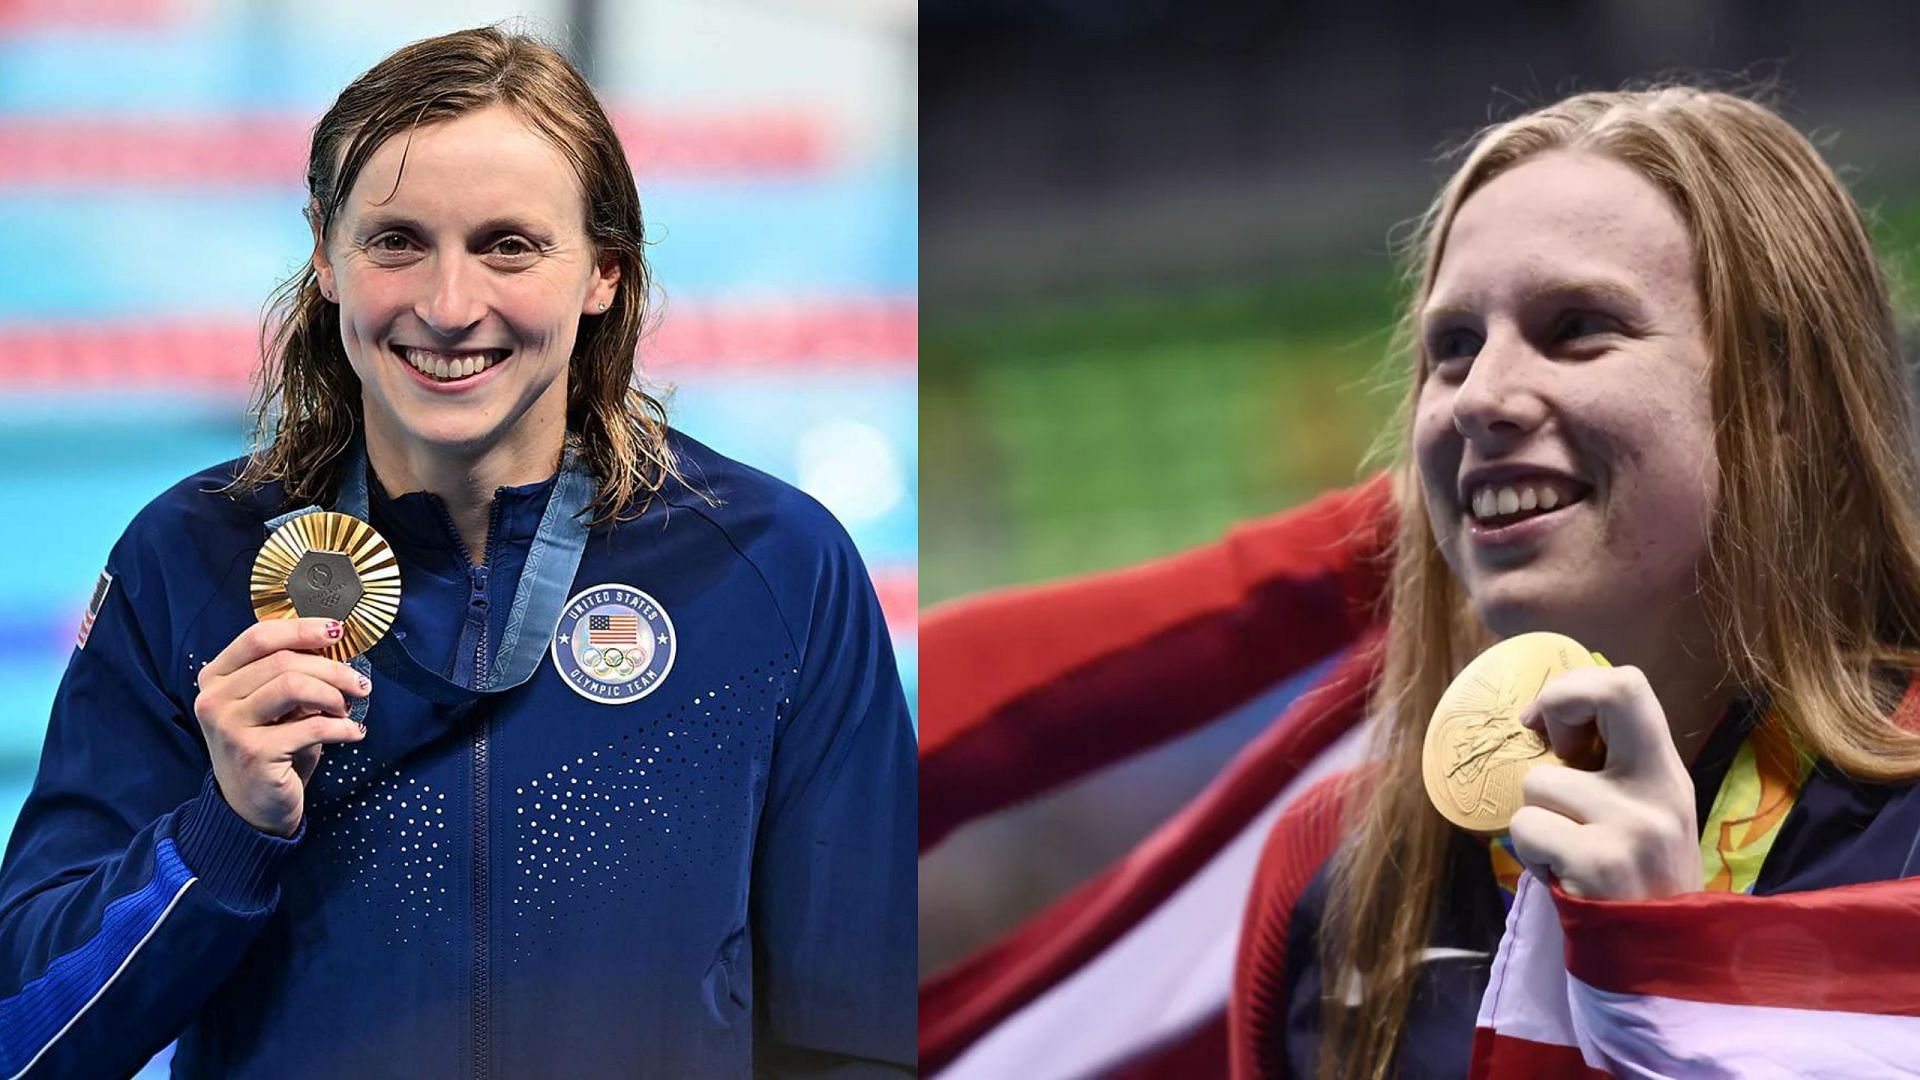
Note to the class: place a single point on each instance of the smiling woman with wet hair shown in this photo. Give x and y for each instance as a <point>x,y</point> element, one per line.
<point>521,129</point>
<point>626,789</point>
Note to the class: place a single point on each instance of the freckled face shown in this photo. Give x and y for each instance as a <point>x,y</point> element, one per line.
<point>1564,332</point>
<point>480,254</point>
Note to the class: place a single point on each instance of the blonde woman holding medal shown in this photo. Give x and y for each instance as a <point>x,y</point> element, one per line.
<point>1657,407</point>
<point>625,787</point>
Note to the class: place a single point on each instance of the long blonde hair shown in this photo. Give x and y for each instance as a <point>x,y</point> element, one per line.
<point>1813,428</point>
<point>306,406</point>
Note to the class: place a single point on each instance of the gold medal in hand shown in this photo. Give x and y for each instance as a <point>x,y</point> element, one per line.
<point>331,566</point>
<point>1476,752</point>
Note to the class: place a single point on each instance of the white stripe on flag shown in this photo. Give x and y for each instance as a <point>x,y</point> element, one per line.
<point>1170,972</point>
<point>1526,993</point>
<point>1644,1035</point>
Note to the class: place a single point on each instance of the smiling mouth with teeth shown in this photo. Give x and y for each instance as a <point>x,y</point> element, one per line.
<point>1497,505</point>
<point>450,367</point>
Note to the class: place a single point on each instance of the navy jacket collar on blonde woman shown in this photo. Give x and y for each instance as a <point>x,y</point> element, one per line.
<point>705,870</point>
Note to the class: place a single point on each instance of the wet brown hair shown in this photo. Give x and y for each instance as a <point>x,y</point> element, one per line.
<point>307,400</point>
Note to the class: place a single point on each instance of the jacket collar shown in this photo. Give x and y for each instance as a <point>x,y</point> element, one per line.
<point>420,521</point>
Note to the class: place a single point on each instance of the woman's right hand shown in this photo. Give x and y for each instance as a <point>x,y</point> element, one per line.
<point>267,704</point>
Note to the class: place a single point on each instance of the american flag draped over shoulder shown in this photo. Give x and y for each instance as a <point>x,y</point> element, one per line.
<point>1128,976</point>
<point>1027,690</point>
<point>1820,983</point>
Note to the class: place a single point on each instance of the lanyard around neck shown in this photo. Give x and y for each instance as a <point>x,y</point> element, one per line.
<point>538,599</point>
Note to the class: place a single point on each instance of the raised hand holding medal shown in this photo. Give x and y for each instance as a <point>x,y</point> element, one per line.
<point>1621,826</point>
<point>325,587</point>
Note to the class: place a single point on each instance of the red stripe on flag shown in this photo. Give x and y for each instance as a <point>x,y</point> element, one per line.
<point>1851,948</point>
<point>957,1006</point>
<point>271,150</point>
<point>832,335</point>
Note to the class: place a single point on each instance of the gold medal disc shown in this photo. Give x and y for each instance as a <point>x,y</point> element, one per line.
<point>331,566</point>
<point>1476,752</point>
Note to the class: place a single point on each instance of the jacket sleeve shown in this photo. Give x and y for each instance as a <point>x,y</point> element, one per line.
<point>1027,689</point>
<point>130,888</point>
<point>835,880</point>
<point>1300,843</point>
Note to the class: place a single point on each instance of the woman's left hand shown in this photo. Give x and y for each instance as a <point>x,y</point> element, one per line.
<point>1626,831</point>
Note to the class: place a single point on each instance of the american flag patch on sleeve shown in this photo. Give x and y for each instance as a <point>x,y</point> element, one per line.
<point>93,606</point>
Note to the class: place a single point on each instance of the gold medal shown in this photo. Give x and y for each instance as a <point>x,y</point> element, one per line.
<point>1476,752</point>
<point>331,566</point>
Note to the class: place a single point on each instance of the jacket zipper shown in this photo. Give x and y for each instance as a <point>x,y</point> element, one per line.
<point>482,865</point>
<point>481,988</point>
<point>482,944</point>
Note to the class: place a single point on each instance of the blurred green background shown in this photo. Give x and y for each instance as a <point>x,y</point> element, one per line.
<point>1076,436</point>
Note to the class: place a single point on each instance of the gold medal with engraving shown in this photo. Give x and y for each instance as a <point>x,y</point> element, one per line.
<point>1476,752</point>
<point>330,566</point>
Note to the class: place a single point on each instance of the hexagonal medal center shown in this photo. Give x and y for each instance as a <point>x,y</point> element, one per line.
<point>323,585</point>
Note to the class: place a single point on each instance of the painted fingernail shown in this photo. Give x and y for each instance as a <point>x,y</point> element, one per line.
<point>364,684</point>
<point>334,629</point>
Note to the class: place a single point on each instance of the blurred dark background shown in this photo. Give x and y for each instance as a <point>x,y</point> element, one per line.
<point>1158,285</point>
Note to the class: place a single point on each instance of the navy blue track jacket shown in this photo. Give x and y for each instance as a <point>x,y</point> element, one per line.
<point>701,866</point>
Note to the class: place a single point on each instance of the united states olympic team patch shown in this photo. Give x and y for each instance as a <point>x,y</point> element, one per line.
<point>615,644</point>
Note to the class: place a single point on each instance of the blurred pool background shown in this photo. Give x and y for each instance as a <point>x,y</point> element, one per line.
<point>1159,288</point>
<point>151,155</point>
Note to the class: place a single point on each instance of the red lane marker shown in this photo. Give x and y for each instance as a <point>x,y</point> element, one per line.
<point>252,151</point>
<point>899,591</point>
<point>22,16</point>
<point>221,355</point>
<point>851,333</point>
